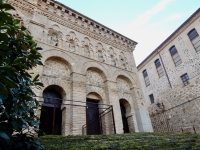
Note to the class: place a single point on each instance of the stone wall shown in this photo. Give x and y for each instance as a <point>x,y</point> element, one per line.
<point>169,89</point>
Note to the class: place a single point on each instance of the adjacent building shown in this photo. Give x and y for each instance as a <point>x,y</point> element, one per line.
<point>170,78</point>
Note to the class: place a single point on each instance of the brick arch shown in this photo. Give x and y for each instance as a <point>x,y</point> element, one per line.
<point>126,76</point>
<point>101,94</point>
<point>129,114</point>
<point>56,53</point>
<point>57,88</point>
<point>94,95</point>
<point>92,64</point>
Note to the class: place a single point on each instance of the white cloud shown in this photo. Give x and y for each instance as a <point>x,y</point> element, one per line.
<point>168,19</point>
<point>146,34</point>
<point>144,18</point>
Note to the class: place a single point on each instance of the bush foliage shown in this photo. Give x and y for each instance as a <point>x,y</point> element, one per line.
<point>18,54</point>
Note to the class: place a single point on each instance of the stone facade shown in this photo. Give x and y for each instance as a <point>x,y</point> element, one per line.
<point>169,89</point>
<point>84,59</point>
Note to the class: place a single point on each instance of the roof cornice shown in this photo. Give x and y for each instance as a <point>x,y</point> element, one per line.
<point>116,37</point>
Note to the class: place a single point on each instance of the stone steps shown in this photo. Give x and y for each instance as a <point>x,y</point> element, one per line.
<point>143,141</point>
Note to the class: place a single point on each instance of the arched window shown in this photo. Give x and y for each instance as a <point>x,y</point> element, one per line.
<point>113,62</point>
<point>71,44</point>
<point>87,51</point>
<point>146,78</point>
<point>195,39</point>
<point>159,68</point>
<point>54,39</point>
<point>175,56</point>
<point>100,56</point>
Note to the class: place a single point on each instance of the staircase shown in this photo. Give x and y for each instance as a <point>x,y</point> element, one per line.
<point>135,141</point>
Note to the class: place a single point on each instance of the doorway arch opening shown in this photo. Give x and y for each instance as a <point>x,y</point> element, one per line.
<point>51,113</point>
<point>125,110</point>
<point>92,114</point>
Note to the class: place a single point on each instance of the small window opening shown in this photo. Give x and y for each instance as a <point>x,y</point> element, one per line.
<point>151,97</point>
<point>185,79</point>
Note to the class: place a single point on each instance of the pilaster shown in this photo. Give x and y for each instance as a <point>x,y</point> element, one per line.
<point>142,115</point>
<point>78,113</point>
<point>112,95</point>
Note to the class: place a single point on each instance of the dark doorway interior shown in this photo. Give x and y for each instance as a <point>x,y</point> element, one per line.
<point>51,114</point>
<point>124,119</point>
<point>93,123</point>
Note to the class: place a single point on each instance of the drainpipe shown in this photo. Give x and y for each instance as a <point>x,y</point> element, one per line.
<point>165,70</point>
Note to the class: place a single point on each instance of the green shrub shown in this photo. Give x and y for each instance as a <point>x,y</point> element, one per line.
<point>18,54</point>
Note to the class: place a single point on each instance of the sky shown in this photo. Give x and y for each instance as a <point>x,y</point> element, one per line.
<point>148,22</point>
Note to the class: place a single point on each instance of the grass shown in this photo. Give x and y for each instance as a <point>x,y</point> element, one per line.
<point>135,141</point>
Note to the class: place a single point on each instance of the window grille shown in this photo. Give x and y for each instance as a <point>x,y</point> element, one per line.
<point>185,79</point>
<point>159,68</point>
<point>175,56</point>
<point>146,78</point>
<point>195,39</point>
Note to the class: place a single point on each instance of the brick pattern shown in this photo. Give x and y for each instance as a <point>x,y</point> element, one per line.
<point>72,62</point>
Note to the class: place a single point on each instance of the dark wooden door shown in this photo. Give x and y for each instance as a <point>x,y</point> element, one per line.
<point>51,114</point>
<point>93,122</point>
<point>124,119</point>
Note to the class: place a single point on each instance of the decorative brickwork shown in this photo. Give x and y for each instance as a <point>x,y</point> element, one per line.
<point>82,57</point>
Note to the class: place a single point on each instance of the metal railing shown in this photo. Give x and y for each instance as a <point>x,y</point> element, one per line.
<point>106,116</point>
<point>106,121</point>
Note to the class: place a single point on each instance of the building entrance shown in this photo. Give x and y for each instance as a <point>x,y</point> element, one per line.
<point>51,114</point>
<point>124,119</point>
<point>92,117</point>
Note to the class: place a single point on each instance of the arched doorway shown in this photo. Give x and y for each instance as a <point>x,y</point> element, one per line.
<point>51,114</point>
<point>124,118</point>
<point>92,114</point>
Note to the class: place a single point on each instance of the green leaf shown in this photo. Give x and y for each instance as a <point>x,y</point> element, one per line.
<point>16,21</point>
<point>36,78</point>
<point>3,37</point>
<point>5,27</point>
<point>3,47</point>
<point>3,89</point>
<point>4,135</point>
<point>6,7</point>
<point>20,59</point>
<point>23,28</point>
<point>9,82</point>
<point>23,66</point>
<point>8,68</point>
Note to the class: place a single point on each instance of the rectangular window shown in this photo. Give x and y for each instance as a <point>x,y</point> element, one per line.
<point>146,78</point>
<point>195,39</point>
<point>185,79</point>
<point>151,98</point>
<point>175,56</point>
<point>159,68</point>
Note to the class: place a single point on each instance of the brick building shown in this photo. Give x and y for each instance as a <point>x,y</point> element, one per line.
<point>85,63</point>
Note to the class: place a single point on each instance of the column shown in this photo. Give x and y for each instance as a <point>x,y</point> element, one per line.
<point>142,115</point>
<point>112,96</point>
<point>78,113</point>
